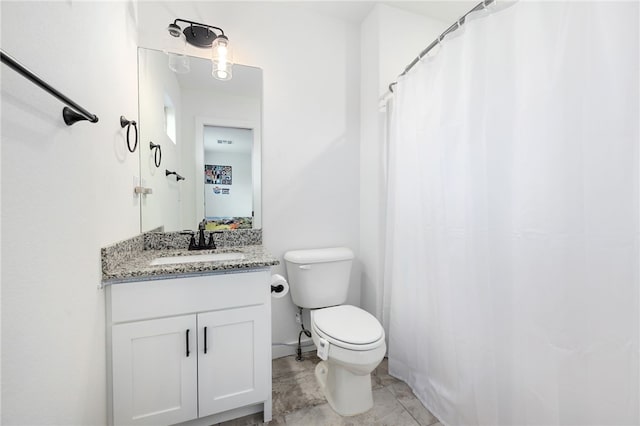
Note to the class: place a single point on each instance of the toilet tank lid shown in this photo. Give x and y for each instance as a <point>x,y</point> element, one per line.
<point>332,254</point>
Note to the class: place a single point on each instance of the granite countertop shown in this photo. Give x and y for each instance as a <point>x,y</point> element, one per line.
<point>131,261</point>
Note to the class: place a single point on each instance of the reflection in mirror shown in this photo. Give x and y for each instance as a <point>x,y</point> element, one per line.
<point>210,133</point>
<point>227,168</point>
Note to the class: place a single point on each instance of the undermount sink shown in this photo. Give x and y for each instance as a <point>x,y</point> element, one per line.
<point>209,257</point>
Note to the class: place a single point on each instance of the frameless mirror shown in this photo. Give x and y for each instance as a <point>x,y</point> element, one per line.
<point>209,133</point>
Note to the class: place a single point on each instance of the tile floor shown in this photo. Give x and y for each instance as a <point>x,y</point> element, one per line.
<point>298,401</point>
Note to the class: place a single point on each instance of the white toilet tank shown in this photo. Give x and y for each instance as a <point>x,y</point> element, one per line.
<point>319,277</point>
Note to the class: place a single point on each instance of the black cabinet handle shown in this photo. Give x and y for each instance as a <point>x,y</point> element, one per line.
<point>205,340</point>
<point>187,343</point>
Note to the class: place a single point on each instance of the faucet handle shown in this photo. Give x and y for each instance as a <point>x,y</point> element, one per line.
<point>212,243</point>
<point>192,242</point>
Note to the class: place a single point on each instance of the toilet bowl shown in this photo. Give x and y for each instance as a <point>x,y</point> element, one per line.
<point>353,342</point>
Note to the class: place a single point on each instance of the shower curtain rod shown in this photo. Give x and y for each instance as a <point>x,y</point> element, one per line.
<point>434,43</point>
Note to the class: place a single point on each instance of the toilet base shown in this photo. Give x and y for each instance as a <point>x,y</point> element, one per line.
<point>347,393</point>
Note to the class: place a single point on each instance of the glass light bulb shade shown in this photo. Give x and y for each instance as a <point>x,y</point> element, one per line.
<point>179,63</point>
<point>222,59</point>
<point>175,48</point>
<point>174,29</point>
<point>173,44</point>
<point>222,74</point>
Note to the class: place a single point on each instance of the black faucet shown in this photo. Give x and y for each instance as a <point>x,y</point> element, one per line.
<point>211,244</point>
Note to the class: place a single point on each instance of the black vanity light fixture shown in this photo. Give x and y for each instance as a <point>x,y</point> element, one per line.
<point>205,37</point>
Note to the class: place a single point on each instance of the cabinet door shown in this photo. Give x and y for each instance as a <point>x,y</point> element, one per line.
<point>233,371</point>
<point>155,371</point>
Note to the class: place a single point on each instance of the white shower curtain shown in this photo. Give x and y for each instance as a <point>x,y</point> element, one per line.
<point>512,257</point>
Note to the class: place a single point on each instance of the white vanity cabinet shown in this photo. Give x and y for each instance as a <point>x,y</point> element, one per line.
<point>193,350</point>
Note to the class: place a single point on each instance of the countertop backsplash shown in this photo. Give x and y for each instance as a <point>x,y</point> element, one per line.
<point>180,240</point>
<point>121,251</point>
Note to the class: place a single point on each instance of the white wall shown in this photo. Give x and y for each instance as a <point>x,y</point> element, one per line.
<point>402,36</point>
<point>66,192</point>
<point>310,123</point>
<point>390,39</point>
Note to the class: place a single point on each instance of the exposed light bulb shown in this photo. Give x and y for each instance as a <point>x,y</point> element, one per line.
<point>221,59</point>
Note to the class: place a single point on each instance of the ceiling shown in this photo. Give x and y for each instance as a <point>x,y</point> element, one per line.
<point>355,11</point>
<point>247,81</point>
<point>447,11</point>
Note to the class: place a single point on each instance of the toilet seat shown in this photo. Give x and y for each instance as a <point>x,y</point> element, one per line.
<point>348,327</point>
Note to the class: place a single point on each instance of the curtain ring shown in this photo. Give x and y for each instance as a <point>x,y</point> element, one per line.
<point>438,44</point>
<point>124,122</point>
<point>157,155</point>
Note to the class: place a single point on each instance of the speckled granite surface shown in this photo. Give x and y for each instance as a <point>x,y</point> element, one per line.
<point>120,252</point>
<point>129,260</point>
<point>180,240</point>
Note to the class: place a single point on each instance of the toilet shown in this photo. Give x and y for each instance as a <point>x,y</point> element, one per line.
<point>350,341</point>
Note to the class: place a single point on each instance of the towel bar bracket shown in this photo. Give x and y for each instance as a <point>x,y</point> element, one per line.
<point>70,117</point>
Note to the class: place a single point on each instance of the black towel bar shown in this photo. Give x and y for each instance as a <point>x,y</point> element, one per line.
<point>69,115</point>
